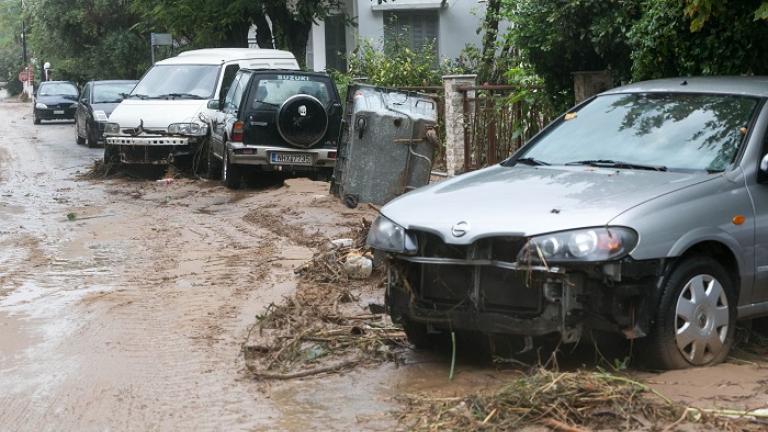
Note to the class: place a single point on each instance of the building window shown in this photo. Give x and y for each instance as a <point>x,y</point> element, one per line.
<point>336,43</point>
<point>419,28</point>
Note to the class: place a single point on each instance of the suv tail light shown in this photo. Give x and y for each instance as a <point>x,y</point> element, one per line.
<point>237,131</point>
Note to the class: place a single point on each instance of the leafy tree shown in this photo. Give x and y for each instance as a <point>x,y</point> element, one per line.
<point>558,38</point>
<point>225,23</point>
<point>730,43</point>
<point>88,39</point>
<point>10,39</point>
<point>700,11</point>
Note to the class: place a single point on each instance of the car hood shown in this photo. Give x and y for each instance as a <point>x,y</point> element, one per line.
<point>525,201</point>
<point>55,100</point>
<point>156,113</point>
<point>106,107</point>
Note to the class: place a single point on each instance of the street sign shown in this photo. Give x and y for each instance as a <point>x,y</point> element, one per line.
<point>159,39</point>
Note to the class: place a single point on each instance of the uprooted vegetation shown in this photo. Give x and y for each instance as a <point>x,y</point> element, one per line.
<point>567,401</point>
<point>323,328</point>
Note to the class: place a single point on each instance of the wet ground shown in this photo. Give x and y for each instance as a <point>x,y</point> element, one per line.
<point>124,303</point>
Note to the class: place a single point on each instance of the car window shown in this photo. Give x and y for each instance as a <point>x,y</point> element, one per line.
<point>178,81</point>
<point>235,93</point>
<point>275,89</point>
<point>229,76</point>
<point>62,89</point>
<point>111,92</point>
<point>687,132</point>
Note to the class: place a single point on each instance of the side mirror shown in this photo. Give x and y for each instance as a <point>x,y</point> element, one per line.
<point>214,104</point>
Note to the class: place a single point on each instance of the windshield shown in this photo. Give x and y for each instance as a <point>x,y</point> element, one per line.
<point>178,82</point>
<point>111,92</point>
<point>276,89</point>
<point>62,89</point>
<point>687,132</point>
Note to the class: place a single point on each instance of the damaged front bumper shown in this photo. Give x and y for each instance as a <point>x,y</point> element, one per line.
<point>150,150</point>
<point>498,296</point>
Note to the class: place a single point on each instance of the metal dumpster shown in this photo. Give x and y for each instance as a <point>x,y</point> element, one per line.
<point>387,144</point>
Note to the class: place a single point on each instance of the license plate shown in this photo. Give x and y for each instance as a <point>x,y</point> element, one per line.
<point>58,111</point>
<point>286,158</point>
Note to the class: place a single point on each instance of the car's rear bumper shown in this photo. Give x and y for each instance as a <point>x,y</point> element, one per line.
<point>149,150</point>
<point>260,155</point>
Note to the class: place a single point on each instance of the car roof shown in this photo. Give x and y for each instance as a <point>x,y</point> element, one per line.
<point>219,55</point>
<point>57,82</point>
<point>288,71</point>
<point>735,85</point>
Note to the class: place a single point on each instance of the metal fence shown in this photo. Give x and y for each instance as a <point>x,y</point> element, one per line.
<point>500,119</point>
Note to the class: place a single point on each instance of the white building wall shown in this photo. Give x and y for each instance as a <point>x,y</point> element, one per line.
<point>458,24</point>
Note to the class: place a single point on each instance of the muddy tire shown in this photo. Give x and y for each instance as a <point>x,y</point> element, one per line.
<point>230,173</point>
<point>35,119</point>
<point>696,318</point>
<point>78,139</point>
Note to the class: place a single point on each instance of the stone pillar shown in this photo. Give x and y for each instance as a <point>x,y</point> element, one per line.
<point>454,120</point>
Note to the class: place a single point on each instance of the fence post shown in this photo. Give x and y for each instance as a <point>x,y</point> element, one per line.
<point>455,117</point>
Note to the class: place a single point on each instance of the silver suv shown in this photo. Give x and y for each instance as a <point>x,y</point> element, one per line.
<point>643,211</point>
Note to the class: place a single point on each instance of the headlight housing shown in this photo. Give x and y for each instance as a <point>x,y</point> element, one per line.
<point>100,116</point>
<point>111,129</point>
<point>582,245</point>
<point>41,106</point>
<point>192,129</point>
<point>388,236</point>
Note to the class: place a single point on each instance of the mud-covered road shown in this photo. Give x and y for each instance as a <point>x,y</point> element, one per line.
<point>124,303</point>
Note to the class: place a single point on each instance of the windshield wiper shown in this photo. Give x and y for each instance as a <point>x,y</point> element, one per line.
<point>137,95</point>
<point>607,163</point>
<point>178,95</point>
<point>530,161</point>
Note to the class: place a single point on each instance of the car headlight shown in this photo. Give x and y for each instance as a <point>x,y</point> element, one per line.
<point>583,245</point>
<point>100,116</point>
<point>111,129</point>
<point>41,106</point>
<point>388,236</point>
<point>193,129</point>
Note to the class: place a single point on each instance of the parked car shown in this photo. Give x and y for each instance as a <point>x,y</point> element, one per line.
<point>272,120</point>
<point>642,211</point>
<point>166,117</point>
<point>97,101</point>
<point>54,100</point>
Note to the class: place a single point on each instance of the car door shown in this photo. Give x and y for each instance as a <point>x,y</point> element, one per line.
<point>81,116</point>
<point>227,114</point>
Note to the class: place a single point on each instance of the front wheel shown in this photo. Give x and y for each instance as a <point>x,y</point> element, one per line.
<point>78,139</point>
<point>90,138</point>
<point>696,318</point>
<point>35,119</point>
<point>230,173</point>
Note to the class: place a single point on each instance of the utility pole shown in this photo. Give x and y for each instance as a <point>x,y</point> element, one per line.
<point>23,37</point>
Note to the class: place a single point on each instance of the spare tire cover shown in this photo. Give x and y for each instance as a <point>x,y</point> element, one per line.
<point>302,120</point>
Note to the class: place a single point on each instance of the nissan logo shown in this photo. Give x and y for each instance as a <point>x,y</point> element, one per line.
<point>460,229</point>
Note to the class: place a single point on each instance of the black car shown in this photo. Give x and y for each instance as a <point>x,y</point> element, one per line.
<point>276,120</point>
<point>97,101</point>
<point>55,100</point>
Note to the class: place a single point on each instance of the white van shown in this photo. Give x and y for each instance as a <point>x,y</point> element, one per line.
<point>167,115</point>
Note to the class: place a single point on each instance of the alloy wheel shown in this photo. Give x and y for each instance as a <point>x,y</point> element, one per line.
<point>702,319</point>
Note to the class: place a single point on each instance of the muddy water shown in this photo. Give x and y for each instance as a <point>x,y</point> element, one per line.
<point>131,315</point>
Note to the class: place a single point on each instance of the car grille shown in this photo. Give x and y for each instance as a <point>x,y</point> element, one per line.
<point>485,287</point>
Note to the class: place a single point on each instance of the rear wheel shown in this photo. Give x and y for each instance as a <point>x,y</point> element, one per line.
<point>230,173</point>
<point>696,318</point>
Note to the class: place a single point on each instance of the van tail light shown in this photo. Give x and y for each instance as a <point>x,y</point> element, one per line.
<point>237,131</point>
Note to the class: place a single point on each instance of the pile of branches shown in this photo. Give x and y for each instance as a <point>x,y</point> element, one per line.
<point>314,332</point>
<point>327,265</point>
<point>568,401</point>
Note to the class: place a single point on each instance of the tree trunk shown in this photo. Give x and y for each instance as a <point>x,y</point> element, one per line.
<point>491,29</point>
<point>263,31</point>
<point>289,33</point>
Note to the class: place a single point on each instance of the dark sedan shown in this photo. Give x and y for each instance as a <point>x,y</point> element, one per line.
<point>96,103</point>
<point>55,100</point>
